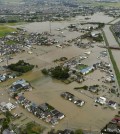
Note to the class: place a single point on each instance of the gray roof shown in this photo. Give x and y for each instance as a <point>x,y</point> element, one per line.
<point>86,69</point>
<point>6,131</point>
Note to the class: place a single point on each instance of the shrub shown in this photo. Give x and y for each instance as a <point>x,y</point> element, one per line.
<point>45,71</point>
<point>21,67</point>
<point>60,73</point>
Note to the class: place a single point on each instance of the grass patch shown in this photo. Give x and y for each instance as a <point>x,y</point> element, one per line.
<point>81,66</point>
<point>4,30</point>
<point>115,66</point>
<point>12,1</point>
<point>16,23</point>
<point>11,42</point>
<point>106,4</point>
<point>33,128</point>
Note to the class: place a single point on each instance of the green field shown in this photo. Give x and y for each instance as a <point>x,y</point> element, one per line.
<point>82,66</point>
<point>4,30</point>
<point>117,4</point>
<point>10,1</point>
<point>33,128</point>
<point>107,4</point>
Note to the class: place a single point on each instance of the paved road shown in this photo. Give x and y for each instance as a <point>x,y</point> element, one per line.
<point>116,20</point>
<point>112,42</point>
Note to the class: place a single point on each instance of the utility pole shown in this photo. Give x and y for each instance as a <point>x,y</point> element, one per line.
<point>67,124</point>
<point>0,50</point>
<point>90,129</point>
<point>7,58</point>
<point>80,40</point>
<point>62,40</point>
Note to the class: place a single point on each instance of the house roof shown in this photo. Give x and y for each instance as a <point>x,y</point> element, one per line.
<point>112,102</point>
<point>20,98</point>
<point>6,131</point>
<point>18,86</point>
<point>112,126</point>
<point>25,84</point>
<point>21,81</point>
<point>3,104</point>
<point>86,69</point>
<point>43,107</point>
<point>67,131</point>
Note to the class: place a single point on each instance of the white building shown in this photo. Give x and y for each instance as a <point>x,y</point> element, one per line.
<point>101,100</point>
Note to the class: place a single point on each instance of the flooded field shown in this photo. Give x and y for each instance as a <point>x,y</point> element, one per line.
<point>49,90</point>
<point>46,89</point>
<point>97,17</point>
<point>45,26</point>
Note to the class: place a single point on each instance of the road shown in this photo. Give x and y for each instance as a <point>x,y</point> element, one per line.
<point>115,21</point>
<point>112,42</point>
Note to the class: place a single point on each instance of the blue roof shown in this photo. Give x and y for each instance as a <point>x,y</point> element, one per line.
<point>86,69</point>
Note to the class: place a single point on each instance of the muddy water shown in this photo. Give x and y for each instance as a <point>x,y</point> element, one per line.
<point>97,17</point>
<point>45,26</point>
<point>48,90</point>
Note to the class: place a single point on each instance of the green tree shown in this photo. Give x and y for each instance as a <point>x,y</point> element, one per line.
<point>5,124</point>
<point>60,73</point>
<point>45,71</point>
<point>21,67</point>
